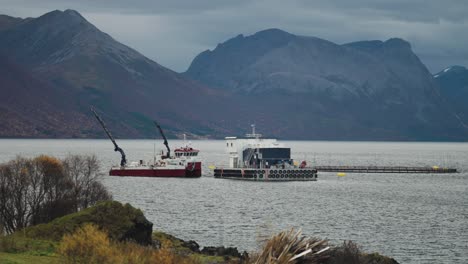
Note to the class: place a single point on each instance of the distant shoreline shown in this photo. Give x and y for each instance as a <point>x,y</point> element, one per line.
<point>220,139</point>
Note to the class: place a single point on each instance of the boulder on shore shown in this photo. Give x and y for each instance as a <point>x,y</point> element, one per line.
<point>222,251</point>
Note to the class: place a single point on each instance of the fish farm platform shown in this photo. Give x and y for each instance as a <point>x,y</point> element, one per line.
<point>384,169</point>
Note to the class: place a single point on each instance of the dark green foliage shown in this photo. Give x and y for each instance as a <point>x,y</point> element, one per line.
<point>376,258</point>
<point>350,253</point>
<point>121,222</point>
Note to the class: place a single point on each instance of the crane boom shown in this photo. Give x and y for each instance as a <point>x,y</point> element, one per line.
<point>123,160</point>
<point>165,139</point>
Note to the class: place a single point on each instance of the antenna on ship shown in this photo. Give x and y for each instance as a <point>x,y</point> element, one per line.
<point>253,135</point>
<point>254,151</point>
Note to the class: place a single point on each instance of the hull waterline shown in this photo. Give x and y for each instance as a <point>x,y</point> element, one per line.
<point>191,171</point>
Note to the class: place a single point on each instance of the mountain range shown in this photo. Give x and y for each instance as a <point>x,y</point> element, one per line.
<point>360,90</point>
<point>56,66</point>
<point>83,66</point>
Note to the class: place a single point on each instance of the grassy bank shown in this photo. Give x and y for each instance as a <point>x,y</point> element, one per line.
<point>111,232</point>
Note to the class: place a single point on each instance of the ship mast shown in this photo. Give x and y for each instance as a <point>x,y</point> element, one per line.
<point>254,152</point>
<point>123,160</point>
<point>254,135</point>
<point>165,139</point>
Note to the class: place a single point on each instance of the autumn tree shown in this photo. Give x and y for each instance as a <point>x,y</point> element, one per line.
<point>84,172</point>
<point>37,190</point>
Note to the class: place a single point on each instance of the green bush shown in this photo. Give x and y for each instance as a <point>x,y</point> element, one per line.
<point>121,222</point>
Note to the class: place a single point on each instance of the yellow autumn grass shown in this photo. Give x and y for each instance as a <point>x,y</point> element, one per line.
<point>88,245</point>
<point>91,245</point>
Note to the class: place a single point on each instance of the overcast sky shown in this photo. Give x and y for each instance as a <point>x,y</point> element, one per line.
<point>173,32</point>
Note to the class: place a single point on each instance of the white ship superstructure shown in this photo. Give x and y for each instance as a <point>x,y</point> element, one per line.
<point>257,158</point>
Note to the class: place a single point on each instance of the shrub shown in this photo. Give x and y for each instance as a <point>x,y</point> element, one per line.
<point>91,245</point>
<point>348,253</point>
<point>88,245</point>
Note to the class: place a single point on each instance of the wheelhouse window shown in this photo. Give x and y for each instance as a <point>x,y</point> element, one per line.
<point>186,154</point>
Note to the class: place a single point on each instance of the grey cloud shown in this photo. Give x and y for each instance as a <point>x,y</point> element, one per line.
<point>129,7</point>
<point>429,11</point>
<point>173,32</point>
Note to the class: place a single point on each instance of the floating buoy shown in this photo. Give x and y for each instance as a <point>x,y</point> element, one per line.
<point>212,167</point>
<point>341,174</point>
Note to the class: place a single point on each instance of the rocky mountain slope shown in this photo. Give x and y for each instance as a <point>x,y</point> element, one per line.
<point>30,107</point>
<point>319,89</point>
<point>64,50</point>
<point>453,82</point>
<point>7,22</point>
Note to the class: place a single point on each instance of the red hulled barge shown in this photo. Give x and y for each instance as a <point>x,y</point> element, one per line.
<point>184,163</point>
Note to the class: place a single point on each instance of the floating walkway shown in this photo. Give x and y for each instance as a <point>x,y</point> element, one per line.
<point>384,169</point>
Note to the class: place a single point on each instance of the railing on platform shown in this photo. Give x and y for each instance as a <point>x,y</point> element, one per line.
<point>385,169</point>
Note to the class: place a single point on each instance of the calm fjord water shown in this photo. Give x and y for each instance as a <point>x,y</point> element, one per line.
<point>415,218</point>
